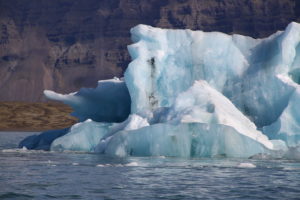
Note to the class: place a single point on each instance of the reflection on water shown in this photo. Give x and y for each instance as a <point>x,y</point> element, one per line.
<point>48,175</point>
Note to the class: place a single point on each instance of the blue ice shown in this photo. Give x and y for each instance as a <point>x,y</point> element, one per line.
<point>193,94</point>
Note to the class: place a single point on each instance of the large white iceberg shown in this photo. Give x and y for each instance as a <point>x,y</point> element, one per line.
<point>193,93</point>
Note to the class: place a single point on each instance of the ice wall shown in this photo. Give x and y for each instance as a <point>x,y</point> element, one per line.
<point>193,93</point>
<point>242,68</point>
<point>259,76</point>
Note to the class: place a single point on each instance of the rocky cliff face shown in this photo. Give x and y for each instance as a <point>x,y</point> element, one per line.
<point>63,45</point>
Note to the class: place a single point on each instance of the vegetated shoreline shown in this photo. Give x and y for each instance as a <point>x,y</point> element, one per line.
<point>34,116</point>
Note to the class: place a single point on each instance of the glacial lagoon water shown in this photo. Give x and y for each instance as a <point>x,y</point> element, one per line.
<point>28,174</point>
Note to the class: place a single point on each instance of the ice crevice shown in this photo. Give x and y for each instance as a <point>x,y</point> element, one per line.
<point>193,94</point>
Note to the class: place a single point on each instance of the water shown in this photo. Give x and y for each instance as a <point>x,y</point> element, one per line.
<point>48,175</point>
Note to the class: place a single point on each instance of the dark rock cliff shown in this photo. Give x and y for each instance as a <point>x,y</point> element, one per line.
<point>67,44</point>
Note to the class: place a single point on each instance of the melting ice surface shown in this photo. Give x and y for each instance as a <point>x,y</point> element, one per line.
<point>193,94</point>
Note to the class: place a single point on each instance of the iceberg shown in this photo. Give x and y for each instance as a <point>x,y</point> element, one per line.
<point>42,141</point>
<point>286,127</point>
<point>201,103</point>
<point>193,94</point>
<point>108,102</point>
<point>183,140</point>
<point>85,136</point>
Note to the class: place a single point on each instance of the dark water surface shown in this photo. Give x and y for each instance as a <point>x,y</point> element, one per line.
<point>48,175</point>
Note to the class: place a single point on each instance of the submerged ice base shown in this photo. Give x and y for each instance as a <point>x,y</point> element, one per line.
<point>193,94</point>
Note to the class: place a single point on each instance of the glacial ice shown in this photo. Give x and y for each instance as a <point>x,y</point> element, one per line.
<point>42,141</point>
<point>201,103</point>
<point>82,137</point>
<point>85,136</point>
<point>108,102</point>
<point>286,127</point>
<point>183,140</point>
<point>193,94</point>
